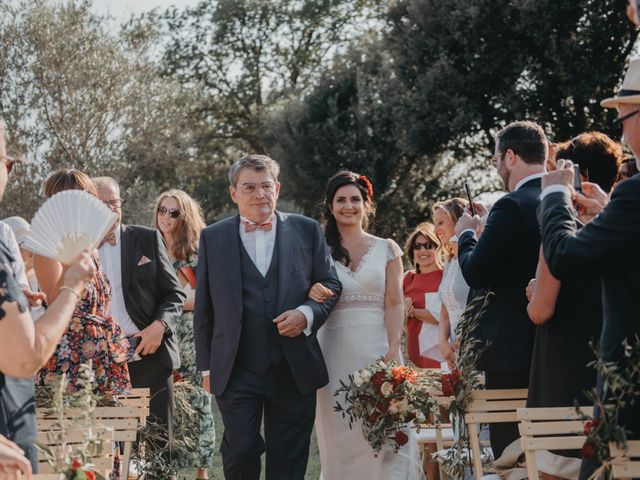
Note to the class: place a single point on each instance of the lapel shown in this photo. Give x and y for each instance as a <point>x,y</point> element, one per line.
<point>284,243</point>
<point>128,241</point>
<point>231,262</point>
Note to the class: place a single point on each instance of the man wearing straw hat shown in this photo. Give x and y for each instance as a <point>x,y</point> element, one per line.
<point>598,245</point>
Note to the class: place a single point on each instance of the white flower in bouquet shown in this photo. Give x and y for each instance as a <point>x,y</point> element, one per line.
<point>386,389</point>
<point>357,379</point>
<point>365,375</point>
<point>404,406</point>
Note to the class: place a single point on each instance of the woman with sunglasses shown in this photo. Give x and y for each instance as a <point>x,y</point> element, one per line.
<point>421,248</point>
<point>453,290</point>
<point>180,220</point>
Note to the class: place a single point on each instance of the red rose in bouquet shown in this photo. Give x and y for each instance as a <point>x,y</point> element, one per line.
<point>401,438</point>
<point>76,464</point>
<point>377,379</point>
<point>591,425</point>
<point>90,475</point>
<point>450,382</point>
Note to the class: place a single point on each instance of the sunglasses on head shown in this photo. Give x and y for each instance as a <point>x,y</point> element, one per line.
<point>425,245</point>
<point>173,213</point>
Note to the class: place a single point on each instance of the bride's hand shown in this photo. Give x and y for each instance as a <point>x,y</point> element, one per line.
<point>319,293</point>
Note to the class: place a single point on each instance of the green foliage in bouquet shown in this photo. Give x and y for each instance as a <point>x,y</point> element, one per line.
<point>620,390</point>
<point>386,399</point>
<point>460,384</point>
<point>71,460</point>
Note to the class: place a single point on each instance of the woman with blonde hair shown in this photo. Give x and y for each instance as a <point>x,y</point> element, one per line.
<point>453,289</point>
<point>180,221</point>
<point>422,325</point>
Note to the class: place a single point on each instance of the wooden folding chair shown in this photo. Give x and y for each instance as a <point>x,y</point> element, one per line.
<point>491,406</point>
<point>435,434</point>
<point>123,421</point>
<point>100,455</point>
<point>626,461</point>
<point>554,428</point>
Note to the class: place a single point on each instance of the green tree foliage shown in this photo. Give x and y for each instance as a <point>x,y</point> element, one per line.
<point>417,110</point>
<point>75,94</point>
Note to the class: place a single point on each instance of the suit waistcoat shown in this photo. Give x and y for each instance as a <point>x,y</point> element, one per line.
<point>259,344</point>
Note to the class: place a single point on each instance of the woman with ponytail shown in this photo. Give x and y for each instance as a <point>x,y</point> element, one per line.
<point>366,324</point>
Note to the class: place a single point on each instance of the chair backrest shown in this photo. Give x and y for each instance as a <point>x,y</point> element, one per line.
<point>100,455</point>
<point>626,461</point>
<point>553,428</point>
<point>139,397</point>
<point>491,406</point>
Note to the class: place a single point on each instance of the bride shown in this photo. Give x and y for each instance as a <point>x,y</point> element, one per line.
<point>365,325</point>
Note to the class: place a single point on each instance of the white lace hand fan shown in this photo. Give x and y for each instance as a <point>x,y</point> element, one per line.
<point>68,223</point>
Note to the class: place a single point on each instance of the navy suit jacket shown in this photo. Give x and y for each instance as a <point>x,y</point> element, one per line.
<point>304,260</point>
<point>503,260</point>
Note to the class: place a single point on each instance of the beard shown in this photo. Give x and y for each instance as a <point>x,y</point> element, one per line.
<point>505,175</point>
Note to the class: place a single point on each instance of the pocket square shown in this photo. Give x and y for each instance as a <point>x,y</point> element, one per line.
<point>143,261</point>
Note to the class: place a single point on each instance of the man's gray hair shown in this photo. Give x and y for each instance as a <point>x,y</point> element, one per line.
<point>255,162</point>
<point>109,182</point>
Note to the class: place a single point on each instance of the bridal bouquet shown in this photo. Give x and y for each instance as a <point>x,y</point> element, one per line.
<point>386,398</point>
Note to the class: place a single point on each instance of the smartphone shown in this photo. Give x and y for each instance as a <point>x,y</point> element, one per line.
<point>577,182</point>
<point>133,343</point>
<point>468,190</point>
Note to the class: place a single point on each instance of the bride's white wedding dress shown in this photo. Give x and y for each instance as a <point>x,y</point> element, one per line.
<point>353,337</point>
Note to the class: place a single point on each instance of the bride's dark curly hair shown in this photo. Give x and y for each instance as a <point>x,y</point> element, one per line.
<point>331,232</point>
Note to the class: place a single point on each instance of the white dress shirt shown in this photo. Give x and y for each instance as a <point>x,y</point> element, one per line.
<point>111,259</point>
<point>259,244</point>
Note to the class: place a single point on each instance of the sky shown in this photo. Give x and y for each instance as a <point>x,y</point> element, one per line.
<point>122,10</point>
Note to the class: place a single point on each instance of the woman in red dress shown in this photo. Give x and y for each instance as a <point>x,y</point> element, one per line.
<point>421,248</point>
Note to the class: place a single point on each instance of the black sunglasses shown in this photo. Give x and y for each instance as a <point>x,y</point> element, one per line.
<point>425,245</point>
<point>173,213</point>
<point>618,121</point>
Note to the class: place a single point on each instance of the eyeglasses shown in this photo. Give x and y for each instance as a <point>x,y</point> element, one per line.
<point>250,188</point>
<point>173,213</point>
<point>618,121</point>
<point>8,163</point>
<point>425,245</point>
<point>115,203</point>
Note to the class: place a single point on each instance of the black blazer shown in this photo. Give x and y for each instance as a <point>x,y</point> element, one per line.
<point>503,261</point>
<point>304,260</point>
<point>608,246</point>
<point>151,290</point>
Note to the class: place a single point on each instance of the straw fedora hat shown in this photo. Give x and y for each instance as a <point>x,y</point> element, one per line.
<point>630,90</point>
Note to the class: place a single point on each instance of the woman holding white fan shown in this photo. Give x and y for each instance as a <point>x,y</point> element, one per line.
<point>93,335</point>
<point>25,346</point>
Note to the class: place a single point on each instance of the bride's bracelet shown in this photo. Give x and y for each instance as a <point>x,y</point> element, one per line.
<point>69,289</point>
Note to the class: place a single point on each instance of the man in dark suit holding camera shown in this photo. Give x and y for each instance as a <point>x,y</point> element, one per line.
<point>503,260</point>
<point>146,302</point>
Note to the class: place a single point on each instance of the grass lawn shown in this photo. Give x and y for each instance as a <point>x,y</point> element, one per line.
<point>215,473</point>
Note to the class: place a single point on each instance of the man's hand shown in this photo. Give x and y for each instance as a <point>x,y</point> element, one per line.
<point>35,298</point>
<point>13,463</point>
<point>590,202</point>
<point>291,323</point>
<point>151,338</point>
<point>206,383</point>
<point>563,175</point>
<point>466,222</point>
<point>530,288</point>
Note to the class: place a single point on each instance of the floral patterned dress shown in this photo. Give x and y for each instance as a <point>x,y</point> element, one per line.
<point>92,335</point>
<point>193,421</point>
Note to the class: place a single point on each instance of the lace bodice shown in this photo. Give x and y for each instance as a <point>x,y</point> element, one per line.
<point>453,292</point>
<point>364,288</point>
